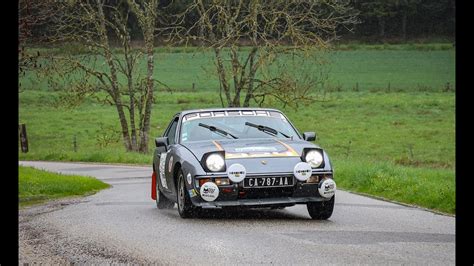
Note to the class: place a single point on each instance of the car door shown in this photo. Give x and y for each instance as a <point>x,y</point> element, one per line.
<point>170,160</point>
<point>165,162</point>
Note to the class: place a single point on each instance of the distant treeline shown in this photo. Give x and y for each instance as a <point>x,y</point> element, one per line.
<point>379,20</point>
<point>404,19</point>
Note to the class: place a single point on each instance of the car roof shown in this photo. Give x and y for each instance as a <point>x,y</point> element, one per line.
<point>185,112</point>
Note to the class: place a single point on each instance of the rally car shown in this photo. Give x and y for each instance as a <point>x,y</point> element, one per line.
<point>240,157</point>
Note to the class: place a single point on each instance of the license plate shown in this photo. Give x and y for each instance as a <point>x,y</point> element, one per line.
<point>273,181</point>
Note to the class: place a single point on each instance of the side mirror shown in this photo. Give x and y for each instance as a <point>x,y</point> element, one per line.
<point>162,143</point>
<point>309,136</point>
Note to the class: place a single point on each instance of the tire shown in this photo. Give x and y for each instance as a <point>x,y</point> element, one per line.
<point>321,210</point>
<point>162,202</point>
<point>278,208</point>
<point>185,207</point>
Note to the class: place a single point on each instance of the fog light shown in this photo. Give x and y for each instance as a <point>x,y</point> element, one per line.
<point>209,191</point>
<point>313,179</point>
<point>222,181</point>
<point>327,188</point>
<point>203,180</point>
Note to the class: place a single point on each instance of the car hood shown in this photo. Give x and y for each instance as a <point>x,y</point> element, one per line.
<point>250,148</point>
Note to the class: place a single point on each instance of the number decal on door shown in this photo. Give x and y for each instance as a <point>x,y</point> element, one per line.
<point>162,169</point>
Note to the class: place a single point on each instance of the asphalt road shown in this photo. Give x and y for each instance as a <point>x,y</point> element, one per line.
<point>122,224</point>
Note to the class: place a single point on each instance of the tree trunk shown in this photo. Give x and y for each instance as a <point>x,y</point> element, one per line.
<point>129,74</point>
<point>146,18</point>
<point>381,27</point>
<point>145,129</point>
<point>222,76</point>
<point>114,91</point>
<point>404,25</point>
<point>123,123</point>
<point>132,115</point>
<point>251,78</point>
<point>235,73</point>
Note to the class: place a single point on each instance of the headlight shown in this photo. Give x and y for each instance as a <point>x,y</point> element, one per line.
<point>314,158</point>
<point>215,162</point>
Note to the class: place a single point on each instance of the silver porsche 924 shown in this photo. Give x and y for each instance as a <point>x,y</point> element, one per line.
<point>240,157</point>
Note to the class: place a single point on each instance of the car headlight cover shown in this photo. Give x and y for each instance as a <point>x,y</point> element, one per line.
<point>215,162</point>
<point>314,158</point>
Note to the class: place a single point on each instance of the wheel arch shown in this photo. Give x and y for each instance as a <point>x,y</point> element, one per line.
<point>176,169</point>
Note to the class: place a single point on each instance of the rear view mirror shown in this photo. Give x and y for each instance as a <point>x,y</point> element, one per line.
<point>309,136</point>
<point>162,143</point>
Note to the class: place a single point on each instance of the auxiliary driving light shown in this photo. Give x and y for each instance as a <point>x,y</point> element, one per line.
<point>222,181</point>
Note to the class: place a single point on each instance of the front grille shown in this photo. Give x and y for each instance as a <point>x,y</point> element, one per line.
<point>263,193</point>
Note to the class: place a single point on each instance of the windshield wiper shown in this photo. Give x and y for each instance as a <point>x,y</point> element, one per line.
<point>215,129</point>
<point>266,129</point>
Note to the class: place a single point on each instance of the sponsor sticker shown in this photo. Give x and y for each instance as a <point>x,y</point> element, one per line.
<point>236,172</point>
<point>170,164</point>
<point>302,171</point>
<point>161,169</point>
<point>327,188</point>
<point>209,191</point>
<point>192,193</point>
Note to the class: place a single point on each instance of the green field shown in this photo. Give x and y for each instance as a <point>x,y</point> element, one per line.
<point>367,67</point>
<point>37,186</point>
<point>397,143</point>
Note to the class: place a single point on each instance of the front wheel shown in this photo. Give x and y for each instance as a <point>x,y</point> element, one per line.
<point>321,210</point>
<point>185,207</point>
<point>278,208</point>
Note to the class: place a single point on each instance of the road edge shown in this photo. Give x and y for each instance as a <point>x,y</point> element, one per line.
<point>399,203</point>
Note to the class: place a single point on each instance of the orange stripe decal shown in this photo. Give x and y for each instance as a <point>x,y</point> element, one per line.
<point>219,147</point>
<point>290,149</point>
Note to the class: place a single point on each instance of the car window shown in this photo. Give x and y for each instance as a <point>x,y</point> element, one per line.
<point>235,125</point>
<point>172,131</point>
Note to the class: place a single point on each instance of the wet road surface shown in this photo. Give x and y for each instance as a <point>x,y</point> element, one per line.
<point>122,224</point>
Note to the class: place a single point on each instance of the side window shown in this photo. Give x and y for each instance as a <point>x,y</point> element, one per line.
<point>172,131</point>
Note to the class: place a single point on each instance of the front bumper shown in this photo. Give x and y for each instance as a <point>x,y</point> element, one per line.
<point>268,202</point>
<point>235,195</point>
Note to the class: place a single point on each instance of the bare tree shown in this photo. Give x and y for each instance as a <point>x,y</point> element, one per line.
<point>146,13</point>
<point>31,14</point>
<point>270,29</point>
<point>96,25</point>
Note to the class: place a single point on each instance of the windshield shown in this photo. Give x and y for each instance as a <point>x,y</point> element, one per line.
<point>237,126</point>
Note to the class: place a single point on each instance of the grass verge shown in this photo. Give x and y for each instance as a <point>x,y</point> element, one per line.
<point>430,188</point>
<point>37,186</point>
